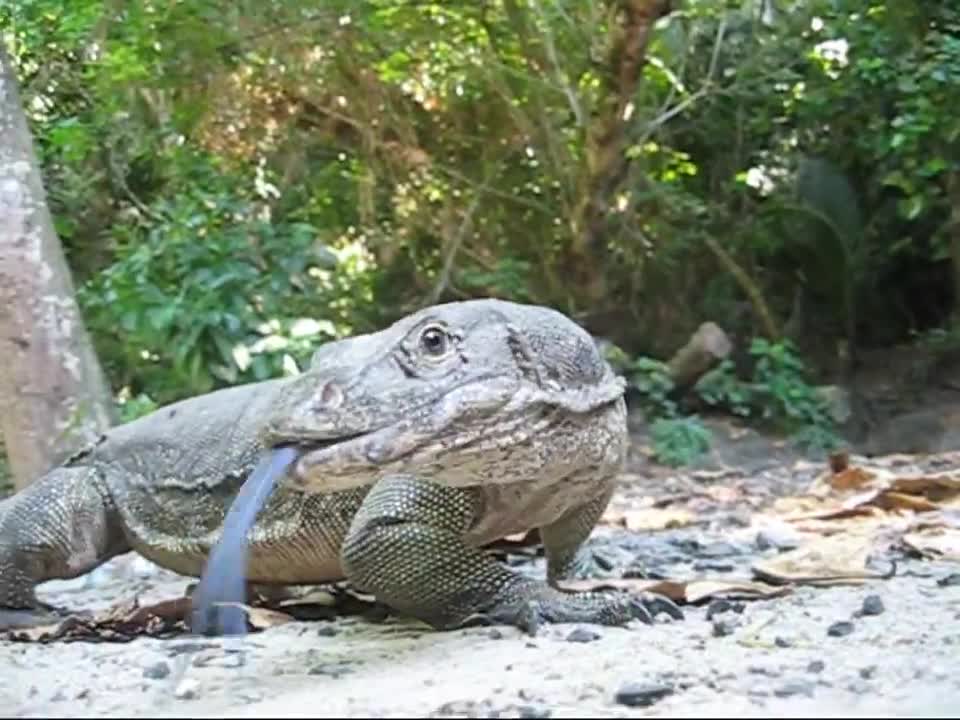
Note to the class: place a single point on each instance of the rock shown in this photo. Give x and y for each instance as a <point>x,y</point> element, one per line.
<point>951,580</point>
<point>157,671</point>
<point>868,672</point>
<point>816,666</point>
<point>188,689</point>
<point>777,538</point>
<point>528,711</point>
<point>712,566</point>
<point>790,689</point>
<point>858,687</point>
<point>872,605</point>
<point>717,607</point>
<point>638,694</point>
<point>495,634</point>
<point>718,550</point>
<point>840,629</point>
<point>224,658</point>
<point>327,631</point>
<point>723,628</point>
<point>583,635</point>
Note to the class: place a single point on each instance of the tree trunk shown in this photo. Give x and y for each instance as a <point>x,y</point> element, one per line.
<point>953,193</point>
<point>606,163</point>
<point>54,398</point>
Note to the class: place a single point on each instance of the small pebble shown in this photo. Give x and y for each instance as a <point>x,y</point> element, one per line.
<point>816,666</point>
<point>721,606</point>
<point>327,630</point>
<point>950,580</point>
<point>157,671</point>
<point>583,635</point>
<point>712,566</point>
<point>782,642</point>
<point>840,629</point>
<point>603,561</point>
<point>872,605</point>
<point>718,550</point>
<point>642,694</point>
<point>790,689</point>
<point>859,687</point>
<point>723,628</point>
<point>188,689</point>
<point>868,672</point>
<point>777,539</point>
<point>533,711</point>
<point>717,607</point>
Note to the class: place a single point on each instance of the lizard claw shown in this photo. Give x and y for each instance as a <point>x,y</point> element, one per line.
<point>530,613</point>
<point>653,604</point>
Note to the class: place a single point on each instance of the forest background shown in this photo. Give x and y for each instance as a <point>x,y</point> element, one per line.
<point>210,190</point>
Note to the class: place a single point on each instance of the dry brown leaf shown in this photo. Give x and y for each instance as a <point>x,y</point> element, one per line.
<point>852,478</point>
<point>322,598</point>
<point>671,589</point>
<point>837,559</point>
<point>260,618</point>
<point>688,592</point>
<point>797,505</point>
<point>940,543</point>
<point>902,501</point>
<point>647,519</point>
<point>745,590</point>
<point>122,622</point>
<point>724,494</point>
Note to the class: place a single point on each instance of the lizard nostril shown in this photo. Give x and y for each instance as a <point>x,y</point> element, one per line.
<point>330,398</point>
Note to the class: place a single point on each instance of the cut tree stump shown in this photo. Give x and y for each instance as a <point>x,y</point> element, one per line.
<point>705,349</point>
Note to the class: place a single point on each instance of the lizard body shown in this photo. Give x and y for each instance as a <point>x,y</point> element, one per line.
<point>416,445</point>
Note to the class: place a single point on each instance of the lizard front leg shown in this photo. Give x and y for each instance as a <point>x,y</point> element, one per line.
<point>563,538</point>
<point>61,526</point>
<point>406,546</point>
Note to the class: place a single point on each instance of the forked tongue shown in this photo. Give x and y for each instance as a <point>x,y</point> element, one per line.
<point>222,588</point>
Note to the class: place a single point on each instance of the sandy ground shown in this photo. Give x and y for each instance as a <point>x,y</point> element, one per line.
<point>773,657</point>
<point>886,647</point>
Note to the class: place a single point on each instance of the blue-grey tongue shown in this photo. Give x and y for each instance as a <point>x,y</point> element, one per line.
<point>224,578</point>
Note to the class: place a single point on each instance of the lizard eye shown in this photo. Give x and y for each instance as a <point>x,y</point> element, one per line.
<point>434,341</point>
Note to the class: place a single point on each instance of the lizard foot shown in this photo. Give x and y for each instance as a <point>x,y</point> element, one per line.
<point>22,618</point>
<point>553,606</point>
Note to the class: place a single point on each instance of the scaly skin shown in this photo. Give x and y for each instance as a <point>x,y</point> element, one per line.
<point>419,444</point>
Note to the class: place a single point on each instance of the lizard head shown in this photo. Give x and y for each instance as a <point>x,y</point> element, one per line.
<point>456,391</point>
<point>449,379</point>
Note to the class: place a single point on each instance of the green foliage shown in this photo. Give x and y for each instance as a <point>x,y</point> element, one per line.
<point>676,440</point>
<point>679,441</point>
<point>778,393</point>
<point>236,185</point>
<point>650,379</point>
<point>132,408</point>
<point>722,388</point>
<point>781,388</point>
<point>213,293</point>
